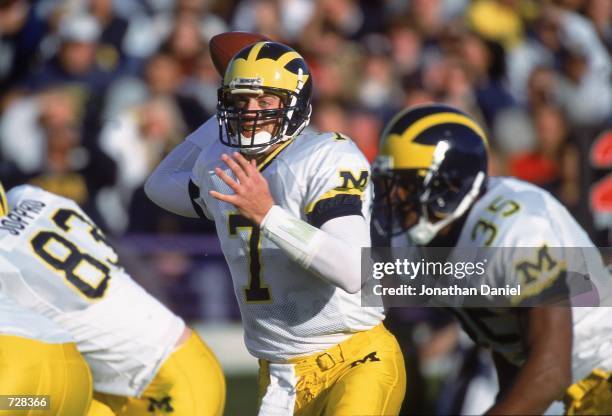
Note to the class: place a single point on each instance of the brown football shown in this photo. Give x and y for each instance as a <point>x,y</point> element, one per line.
<point>224,46</point>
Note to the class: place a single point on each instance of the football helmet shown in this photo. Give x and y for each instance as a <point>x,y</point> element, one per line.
<point>437,156</point>
<point>264,68</point>
<point>3,202</point>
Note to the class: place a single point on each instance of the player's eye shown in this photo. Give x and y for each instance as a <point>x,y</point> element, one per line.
<point>266,102</point>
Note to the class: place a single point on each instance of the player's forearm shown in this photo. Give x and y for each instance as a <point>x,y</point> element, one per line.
<point>547,372</point>
<point>331,258</point>
<point>537,385</point>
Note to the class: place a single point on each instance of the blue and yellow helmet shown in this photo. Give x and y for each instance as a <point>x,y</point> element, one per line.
<point>265,68</point>
<point>439,155</point>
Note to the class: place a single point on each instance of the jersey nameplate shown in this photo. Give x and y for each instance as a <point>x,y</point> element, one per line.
<point>19,218</point>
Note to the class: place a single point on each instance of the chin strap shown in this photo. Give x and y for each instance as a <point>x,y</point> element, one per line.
<point>424,231</point>
<point>254,151</point>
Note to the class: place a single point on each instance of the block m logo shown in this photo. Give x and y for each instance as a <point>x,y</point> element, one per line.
<point>542,269</point>
<point>370,357</point>
<point>349,181</point>
<point>162,405</point>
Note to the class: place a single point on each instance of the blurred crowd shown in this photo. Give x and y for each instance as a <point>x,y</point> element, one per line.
<point>94,93</point>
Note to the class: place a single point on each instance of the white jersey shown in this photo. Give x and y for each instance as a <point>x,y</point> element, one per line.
<point>18,321</point>
<point>64,269</point>
<point>286,310</point>
<point>512,215</point>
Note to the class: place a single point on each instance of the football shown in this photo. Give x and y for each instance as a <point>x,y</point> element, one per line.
<point>225,45</point>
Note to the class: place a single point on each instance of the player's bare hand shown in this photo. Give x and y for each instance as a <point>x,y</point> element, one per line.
<point>251,193</point>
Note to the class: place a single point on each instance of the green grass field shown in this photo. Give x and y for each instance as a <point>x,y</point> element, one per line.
<point>241,399</point>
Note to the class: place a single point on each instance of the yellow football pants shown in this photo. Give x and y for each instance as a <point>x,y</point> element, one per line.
<point>99,409</point>
<point>364,375</point>
<point>30,367</point>
<point>189,383</point>
<point>591,395</point>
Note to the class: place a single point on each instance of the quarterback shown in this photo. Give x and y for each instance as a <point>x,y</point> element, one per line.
<point>143,358</point>
<point>433,190</point>
<point>291,211</point>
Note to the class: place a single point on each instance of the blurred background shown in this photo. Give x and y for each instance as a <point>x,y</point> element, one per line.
<point>94,93</point>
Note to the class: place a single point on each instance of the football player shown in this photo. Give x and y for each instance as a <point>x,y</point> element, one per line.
<point>432,190</point>
<point>292,211</point>
<point>38,358</point>
<point>143,358</point>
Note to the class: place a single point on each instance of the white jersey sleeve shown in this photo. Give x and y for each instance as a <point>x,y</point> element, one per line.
<point>197,181</point>
<point>337,199</point>
<point>338,182</point>
<point>319,250</point>
<point>69,273</point>
<point>169,185</point>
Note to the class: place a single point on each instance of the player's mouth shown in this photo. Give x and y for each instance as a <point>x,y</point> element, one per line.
<point>249,128</point>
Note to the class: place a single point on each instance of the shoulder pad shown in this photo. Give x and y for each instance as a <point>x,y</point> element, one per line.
<point>19,193</point>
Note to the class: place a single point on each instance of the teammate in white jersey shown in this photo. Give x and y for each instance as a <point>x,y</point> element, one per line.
<point>292,212</point>
<point>432,186</point>
<point>143,358</point>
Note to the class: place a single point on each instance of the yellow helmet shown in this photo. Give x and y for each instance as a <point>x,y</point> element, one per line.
<point>438,155</point>
<point>265,68</point>
<point>409,140</point>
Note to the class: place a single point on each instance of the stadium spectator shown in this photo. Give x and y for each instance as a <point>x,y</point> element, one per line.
<point>203,83</point>
<point>541,86</point>
<point>379,89</point>
<point>427,17</point>
<point>364,129</point>
<point>110,54</point>
<point>21,32</point>
<point>70,170</point>
<point>164,78</point>
<point>210,23</point>
<point>75,61</point>
<point>344,17</point>
<point>553,164</point>
<point>26,115</point>
<point>497,20</point>
<point>406,48</point>
<point>599,12</point>
<point>137,140</point>
<point>487,64</point>
<point>185,42</point>
<point>330,116</point>
<point>260,16</point>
